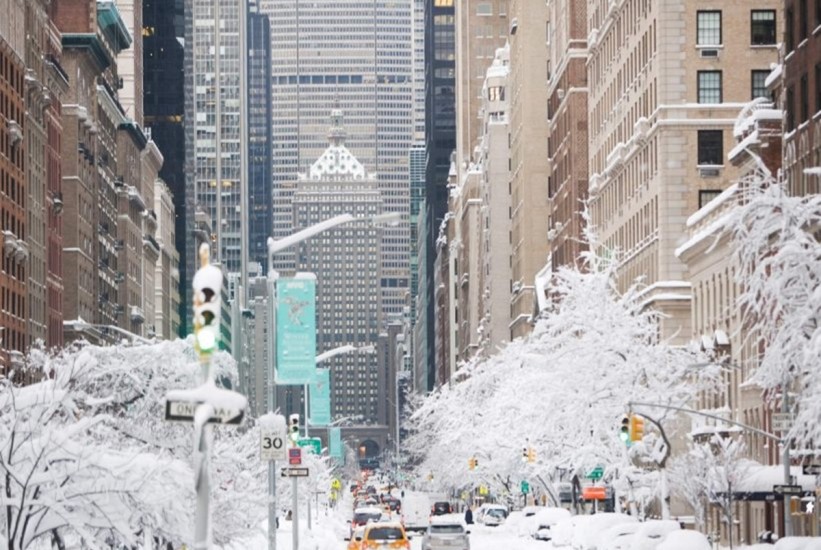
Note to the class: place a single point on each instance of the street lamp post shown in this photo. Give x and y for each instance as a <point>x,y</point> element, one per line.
<point>275,246</point>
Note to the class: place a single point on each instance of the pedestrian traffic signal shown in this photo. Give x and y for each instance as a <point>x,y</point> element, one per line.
<point>472,463</point>
<point>531,455</point>
<point>624,431</point>
<point>207,304</point>
<point>636,428</point>
<point>293,427</point>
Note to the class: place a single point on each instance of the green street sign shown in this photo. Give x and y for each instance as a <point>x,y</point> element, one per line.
<point>596,473</point>
<point>525,487</point>
<point>314,443</point>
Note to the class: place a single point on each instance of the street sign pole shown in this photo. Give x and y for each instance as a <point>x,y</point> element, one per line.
<point>308,502</point>
<point>295,515</point>
<point>272,505</point>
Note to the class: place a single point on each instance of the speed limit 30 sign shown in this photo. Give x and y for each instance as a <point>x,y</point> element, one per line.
<point>272,446</point>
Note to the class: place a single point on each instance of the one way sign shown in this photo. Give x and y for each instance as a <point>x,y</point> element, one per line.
<point>184,411</point>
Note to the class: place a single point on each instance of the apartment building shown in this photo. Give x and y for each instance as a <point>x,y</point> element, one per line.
<point>666,80</point>
<point>568,136</point>
<point>166,271</point>
<point>495,279</point>
<point>530,208</point>
<point>802,94</point>
<point>13,190</point>
<point>481,27</point>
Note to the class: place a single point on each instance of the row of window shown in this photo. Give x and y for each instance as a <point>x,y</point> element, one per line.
<point>709,28</point>
<point>798,105</point>
<point>710,85</point>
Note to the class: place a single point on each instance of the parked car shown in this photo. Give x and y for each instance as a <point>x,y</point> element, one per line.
<point>544,520</point>
<point>686,540</point>
<point>500,513</point>
<point>495,516</point>
<point>385,535</point>
<point>446,533</point>
<point>586,533</point>
<point>618,537</point>
<point>652,532</point>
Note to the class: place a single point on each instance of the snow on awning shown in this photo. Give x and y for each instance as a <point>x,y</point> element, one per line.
<point>760,479</point>
<point>721,338</point>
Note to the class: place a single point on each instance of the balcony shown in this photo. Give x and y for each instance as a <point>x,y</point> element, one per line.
<point>137,315</point>
<point>14,248</point>
<point>15,132</point>
<point>151,242</point>
<point>135,197</point>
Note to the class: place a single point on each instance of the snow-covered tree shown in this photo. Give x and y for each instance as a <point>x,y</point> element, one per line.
<point>777,250</point>
<point>87,454</point>
<point>561,391</point>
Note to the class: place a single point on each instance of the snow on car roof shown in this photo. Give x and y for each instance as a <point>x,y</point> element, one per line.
<point>447,519</point>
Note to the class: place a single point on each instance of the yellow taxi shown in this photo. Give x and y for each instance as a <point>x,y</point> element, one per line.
<point>356,538</point>
<point>384,536</point>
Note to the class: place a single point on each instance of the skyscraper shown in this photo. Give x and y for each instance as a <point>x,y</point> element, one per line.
<point>361,55</point>
<point>346,261</point>
<point>164,104</point>
<point>215,124</point>
<point>440,134</point>
<point>260,205</point>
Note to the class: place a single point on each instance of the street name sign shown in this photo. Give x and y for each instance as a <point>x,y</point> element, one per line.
<point>313,443</point>
<point>295,472</point>
<point>295,456</point>
<point>811,469</point>
<point>788,490</point>
<point>782,422</point>
<point>596,473</point>
<point>184,411</point>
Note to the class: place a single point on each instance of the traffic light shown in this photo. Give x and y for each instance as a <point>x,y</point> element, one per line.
<point>293,427</point>
<point>207,304</point>
<point>531,455</point>
<point>472,463</point>
<point>524,454</point>
<point>624,431</point>
<point>636,428</point>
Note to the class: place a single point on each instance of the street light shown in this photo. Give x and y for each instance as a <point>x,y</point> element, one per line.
<point>82,326</point>
<point>275,246</point>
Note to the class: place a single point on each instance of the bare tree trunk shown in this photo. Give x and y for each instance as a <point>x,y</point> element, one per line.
<point>57,542</point>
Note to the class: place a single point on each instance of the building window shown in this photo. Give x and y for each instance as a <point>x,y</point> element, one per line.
<point>762,27</point>
<point>818,86</point>
<point>790,108</point>
<point>803,19</point>
<point>710,147</point>
<point>788,23</point>
<point>708,31</point>
<point>805,98</point>
<point>817,12</point>
<point>709,86</point>
<point>759,88</point>
<point>484,8</point>
<point>706,195</point>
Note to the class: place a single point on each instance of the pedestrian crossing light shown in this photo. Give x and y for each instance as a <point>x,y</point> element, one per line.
<point>531,455</point>
<point>207,304</point>
<point>636,428</point>
<point>624,431</point>
<point>472,463</point>
<point>293,427</point>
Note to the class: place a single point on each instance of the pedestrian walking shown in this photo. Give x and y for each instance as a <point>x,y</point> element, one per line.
<point>469,515</point>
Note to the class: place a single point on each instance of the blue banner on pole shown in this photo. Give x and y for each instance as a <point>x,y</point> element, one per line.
<point>320,398</point>
<point>335,443</point>
<point>296,330</point>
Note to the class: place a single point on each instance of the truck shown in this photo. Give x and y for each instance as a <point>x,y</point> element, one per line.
<point>416,511</point>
